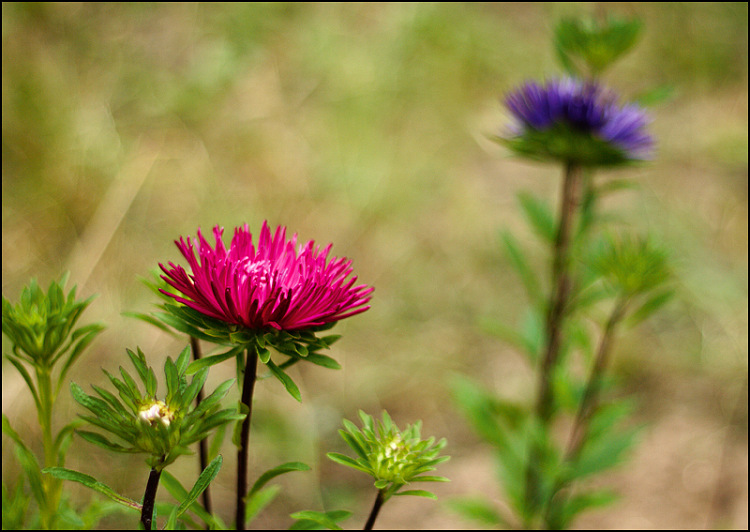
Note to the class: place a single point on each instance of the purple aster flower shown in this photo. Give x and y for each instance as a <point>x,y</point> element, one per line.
<point>274,285</point>
<point>577,122</point>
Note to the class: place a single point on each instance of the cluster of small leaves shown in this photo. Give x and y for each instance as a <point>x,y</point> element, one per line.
<point>630,265</point>
<point>161,429</point>
<point>586,46</point>
<point>394,458</point>
<point>297,346</point>
<point>42,329</point>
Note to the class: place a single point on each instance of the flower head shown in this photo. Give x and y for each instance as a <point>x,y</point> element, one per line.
<point>576,122</point>
<point>276,285</point>
<point>161,429</point>
<point>392,457</point>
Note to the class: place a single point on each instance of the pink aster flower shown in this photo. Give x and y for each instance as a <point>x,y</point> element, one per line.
<point>274,285</point>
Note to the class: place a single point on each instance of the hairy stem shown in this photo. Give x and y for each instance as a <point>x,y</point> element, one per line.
<point>248,385</point>
<point>203,444</point>
<point>149,498</point>
<point>379,500</point>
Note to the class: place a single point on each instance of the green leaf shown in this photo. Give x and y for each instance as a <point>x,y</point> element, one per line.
<point>521,265</point>
<point>539,216</point>
<point>264,355</point>
<point>353,441</point>
<point>14,506</point>
<point>651,305</point>
<point>91,333</point>
<point>29,464</point>
<point>151,320</point>
<point>479,510</point>
<point>139,363</point>
<point>173,486</point>
<point>561,517</point>
<point>347,461</point>
<point>417,493</point>
<point>91,482</point>
<point>206,362</point>
<point>260,499</point>
<point>285,380</point>
<point>602,454</point>
<point>429,478</point>
<point>25,374</point>
<point>275,472</point>
<point>201,484</point>
<point>101,441</point>
<point>307,520</point>
<point>322,360</point>
<point>216,442</point>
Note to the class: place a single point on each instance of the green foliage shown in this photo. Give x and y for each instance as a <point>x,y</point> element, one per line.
<point>42,330</point>
<point>41,326</point>
<point>200,486</point>
<point>90,482</point>
<point>392,457</point>
<point>311,520</point>
<point>163,430</point>
<point>587,46</point>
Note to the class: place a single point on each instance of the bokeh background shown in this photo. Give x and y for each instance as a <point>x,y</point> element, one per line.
<point>125,126</point>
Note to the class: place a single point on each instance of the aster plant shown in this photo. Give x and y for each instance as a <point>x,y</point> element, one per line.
<point>46,342</point>
<point>394,458</point>
<point>142,423</point>
<point>596,284</point>
<point>277,295</point>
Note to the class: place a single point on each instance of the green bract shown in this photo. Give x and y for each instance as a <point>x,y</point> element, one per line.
<point>41,326</point>
<point>162,429</point>
<point>394,458</point>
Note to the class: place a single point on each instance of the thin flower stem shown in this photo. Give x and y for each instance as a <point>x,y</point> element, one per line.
<point>593,386</point>
<point>379,500</point>
<point>561,288</point>
<point>149,498</point>
<point>203,444</point>
<point>248,385</point>
<point>589,402</point>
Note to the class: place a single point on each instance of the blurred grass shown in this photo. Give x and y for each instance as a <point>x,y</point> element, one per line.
<point>128,125</point>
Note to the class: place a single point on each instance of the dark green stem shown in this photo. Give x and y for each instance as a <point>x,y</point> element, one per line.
<point>149,498</point>
<point>248,385</point>
<point>561,289</point>
<point>203,444</point>
<point>379,500</point>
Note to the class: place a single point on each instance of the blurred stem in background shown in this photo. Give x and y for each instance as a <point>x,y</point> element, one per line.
<point>561,289</point>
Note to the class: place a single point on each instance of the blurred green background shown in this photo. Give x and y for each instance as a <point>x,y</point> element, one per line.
<point>126,126</point>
